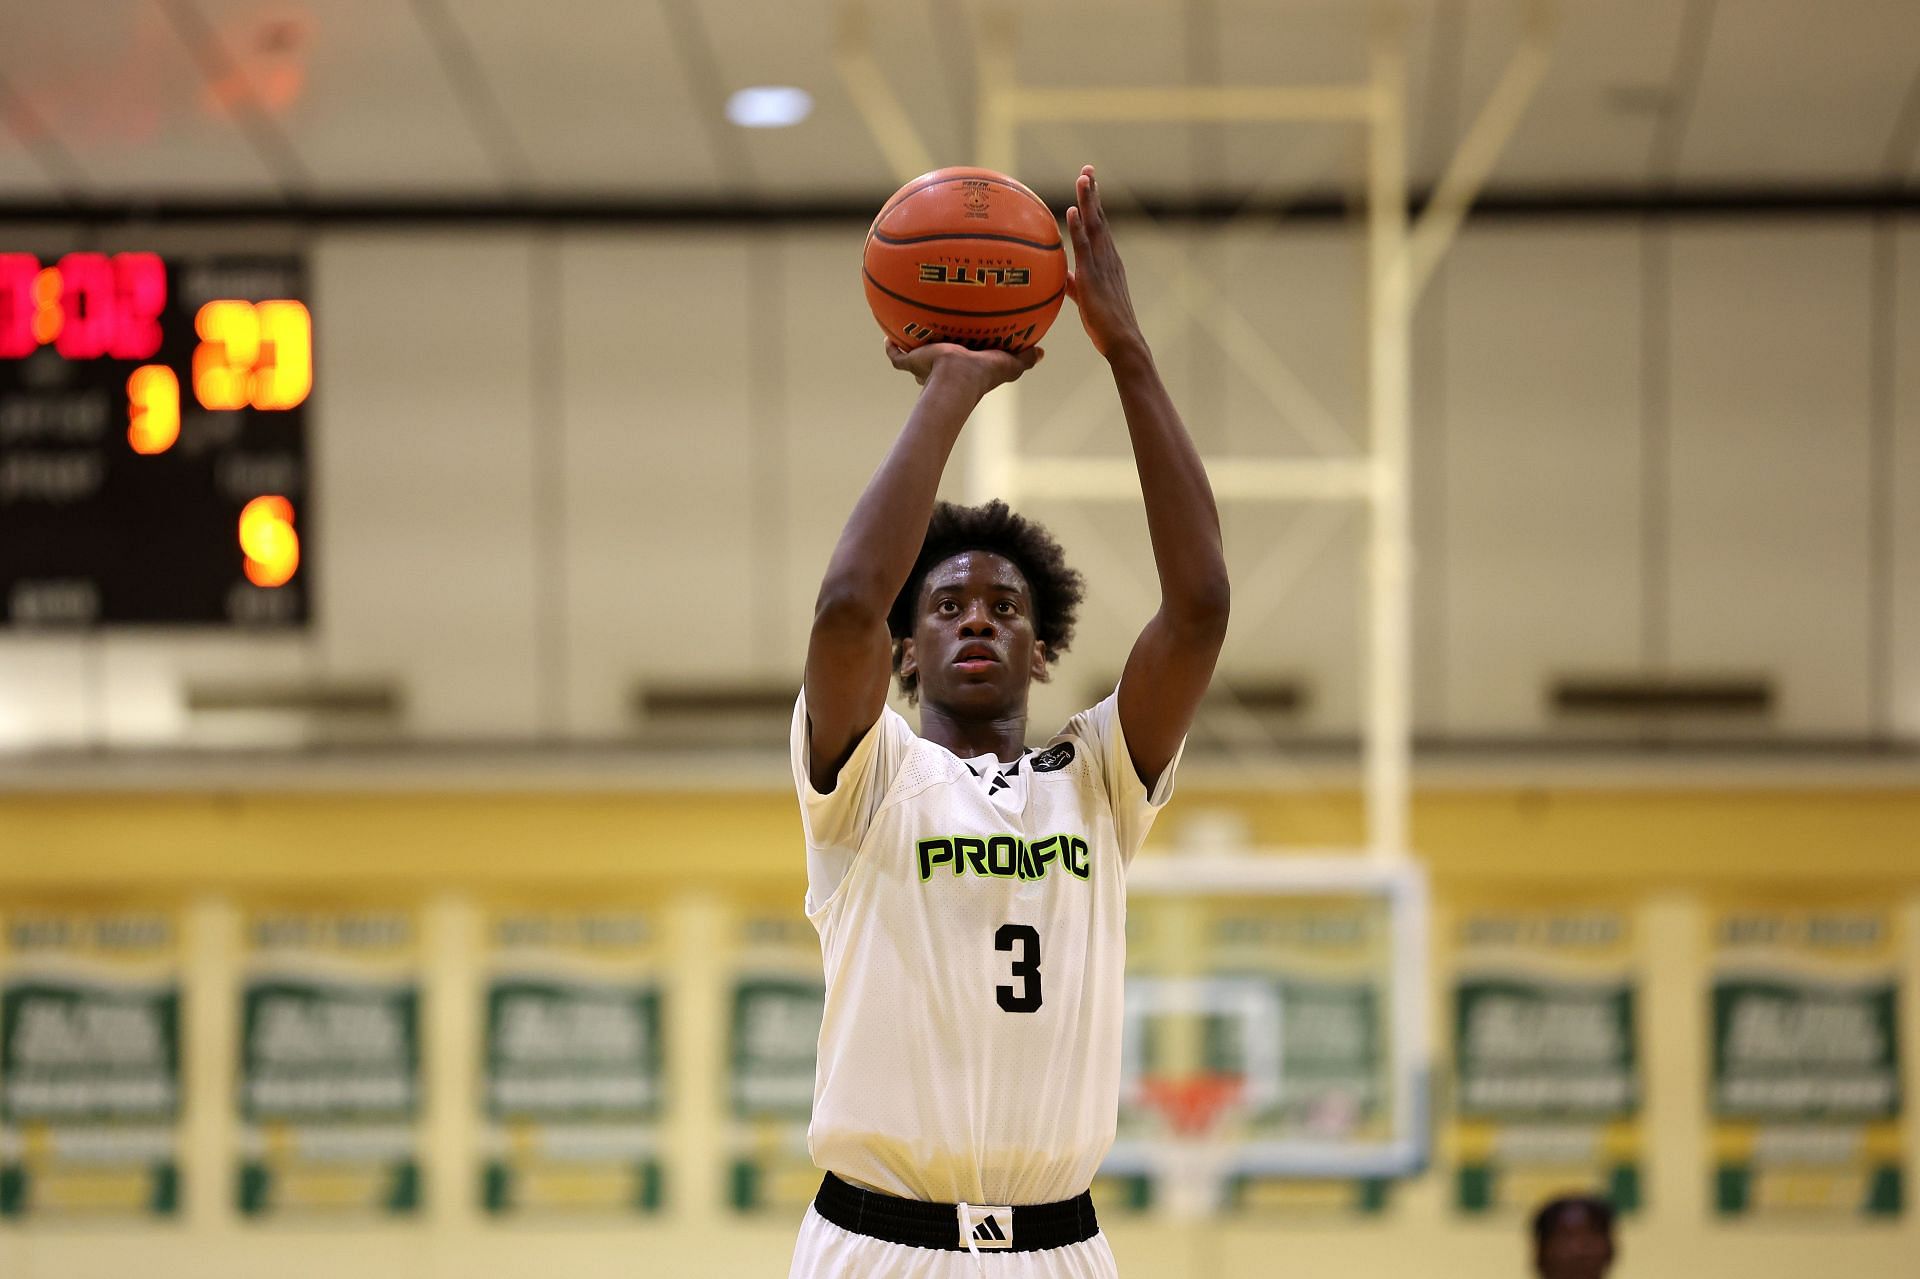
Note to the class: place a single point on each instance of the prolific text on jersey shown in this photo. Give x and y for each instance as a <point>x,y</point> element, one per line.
<point>1004,856</point>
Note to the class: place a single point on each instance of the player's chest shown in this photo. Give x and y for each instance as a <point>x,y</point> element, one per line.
<point>1030,834</point>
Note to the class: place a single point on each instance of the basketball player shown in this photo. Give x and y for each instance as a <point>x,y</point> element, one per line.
<point>970,891</point>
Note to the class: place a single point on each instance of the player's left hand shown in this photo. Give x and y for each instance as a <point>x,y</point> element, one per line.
<point>1098,282</point>
<point>983,370</point>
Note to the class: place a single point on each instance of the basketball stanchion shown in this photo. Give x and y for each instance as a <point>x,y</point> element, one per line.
<point>1275,1026</point>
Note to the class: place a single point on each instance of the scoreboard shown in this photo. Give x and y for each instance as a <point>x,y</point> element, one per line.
<point>153,466</point>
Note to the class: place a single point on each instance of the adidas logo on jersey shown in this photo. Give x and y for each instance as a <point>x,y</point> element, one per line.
<point>1004,856</point>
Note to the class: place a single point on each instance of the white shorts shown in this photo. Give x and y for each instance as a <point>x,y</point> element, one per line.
<point>826,1251</point>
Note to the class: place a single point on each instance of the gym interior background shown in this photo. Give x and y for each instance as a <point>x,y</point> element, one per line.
<point>593,385</point>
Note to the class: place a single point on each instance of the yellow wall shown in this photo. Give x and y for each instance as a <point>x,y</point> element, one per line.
<point>1672,850</point>
<point>1561,836</point>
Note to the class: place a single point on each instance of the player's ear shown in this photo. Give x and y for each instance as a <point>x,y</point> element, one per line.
<point>1041,672</point>
<point>907,666</point>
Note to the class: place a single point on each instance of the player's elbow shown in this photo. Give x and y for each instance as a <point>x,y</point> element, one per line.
<point>1204,604</point>
<point>846,605</point>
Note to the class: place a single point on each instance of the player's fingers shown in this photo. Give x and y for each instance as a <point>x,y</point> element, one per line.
<point>1031,356</point>
<point>896,354</point>
<point>1077,232</point>
<point>1072,287</point>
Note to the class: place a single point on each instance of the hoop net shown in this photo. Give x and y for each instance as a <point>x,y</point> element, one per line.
<point>1192,1104</point>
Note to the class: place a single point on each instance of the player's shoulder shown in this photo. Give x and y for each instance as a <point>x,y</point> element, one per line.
<point>1081,742</point>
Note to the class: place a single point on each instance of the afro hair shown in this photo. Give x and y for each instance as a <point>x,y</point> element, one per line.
<point>1057,589</point>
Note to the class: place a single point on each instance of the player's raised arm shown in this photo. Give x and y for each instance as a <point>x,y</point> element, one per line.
<point>1172,661</point>
<point>849,652</point>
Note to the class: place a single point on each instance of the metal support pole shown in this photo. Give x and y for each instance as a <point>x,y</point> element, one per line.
<point>886,116</point>
<point>1387,734</point>
<point>1179,104</point>
<point>992,436</point>
<point>1473,163</point>
<point>1233,479</point>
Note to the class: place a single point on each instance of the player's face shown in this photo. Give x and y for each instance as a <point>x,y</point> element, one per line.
<point>1576,1248</point>
<point>973,643</point>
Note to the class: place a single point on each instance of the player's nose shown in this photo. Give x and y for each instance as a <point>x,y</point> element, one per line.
<point>977,620</point>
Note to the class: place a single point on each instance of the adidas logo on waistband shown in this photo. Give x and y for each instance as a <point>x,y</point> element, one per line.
<point>992,1229</point>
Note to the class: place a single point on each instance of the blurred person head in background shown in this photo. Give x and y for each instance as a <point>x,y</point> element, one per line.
<point>1573,1238</point>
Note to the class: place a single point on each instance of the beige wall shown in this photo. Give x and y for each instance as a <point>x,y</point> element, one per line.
<point>549,465</point>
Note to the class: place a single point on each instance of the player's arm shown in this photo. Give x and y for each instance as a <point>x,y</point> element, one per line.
<point>849,654</point>
<point>1172,662</point>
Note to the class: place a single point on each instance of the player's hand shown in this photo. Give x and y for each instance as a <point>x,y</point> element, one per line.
<point>1098,282</point>
<point>982,370</point>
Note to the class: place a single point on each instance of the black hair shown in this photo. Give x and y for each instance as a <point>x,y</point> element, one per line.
<point>1547,1219</point>
<point>1056,588</point>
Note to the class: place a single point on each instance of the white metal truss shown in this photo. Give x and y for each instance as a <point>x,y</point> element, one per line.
<point>1401,256</point>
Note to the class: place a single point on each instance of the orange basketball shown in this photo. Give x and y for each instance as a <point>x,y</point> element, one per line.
<point>968,256</point>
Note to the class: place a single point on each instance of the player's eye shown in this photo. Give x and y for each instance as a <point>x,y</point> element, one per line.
<point>1006,606</point>
<point>948,606</point>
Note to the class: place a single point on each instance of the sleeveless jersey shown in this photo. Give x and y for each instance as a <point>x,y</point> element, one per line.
<point>972,918</point>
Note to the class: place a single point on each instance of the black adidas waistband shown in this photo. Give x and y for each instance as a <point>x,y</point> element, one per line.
<point>917,1224</point>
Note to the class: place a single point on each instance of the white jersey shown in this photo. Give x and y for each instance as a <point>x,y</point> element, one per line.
<point>972,915</point>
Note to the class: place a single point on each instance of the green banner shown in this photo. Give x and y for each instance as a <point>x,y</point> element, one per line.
<point>1544,1050</point>
<point>574,1063</point>
<point>1805,1051</point>
<point>775,1002</point>
<point>774,1036</point>
<point>89,1063</point>
<point>1546,1062</point>
<point>329,1071</point>
<point>1805,1089</point>
<point>329,1052</point>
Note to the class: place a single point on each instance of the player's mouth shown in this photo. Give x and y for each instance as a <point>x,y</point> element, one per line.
<point>976,657</point>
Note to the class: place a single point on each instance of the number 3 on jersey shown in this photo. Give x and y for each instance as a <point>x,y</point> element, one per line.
<point>1027,967</point>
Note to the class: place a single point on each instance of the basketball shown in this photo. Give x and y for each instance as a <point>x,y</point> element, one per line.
<point>968,256</point>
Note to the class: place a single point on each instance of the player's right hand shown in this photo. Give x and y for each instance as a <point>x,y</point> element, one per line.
<point>984,370</point>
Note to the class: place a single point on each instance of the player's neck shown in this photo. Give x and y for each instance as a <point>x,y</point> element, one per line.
<point>1004,738</point>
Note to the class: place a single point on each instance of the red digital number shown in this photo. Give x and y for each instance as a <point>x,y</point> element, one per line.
<point>86,306</point>
<point>140,293</point>
<point>17,306</point>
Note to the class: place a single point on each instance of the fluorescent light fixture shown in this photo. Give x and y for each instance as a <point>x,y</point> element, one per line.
<point>769,106</point>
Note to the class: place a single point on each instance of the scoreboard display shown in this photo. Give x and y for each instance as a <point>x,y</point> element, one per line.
<point>153,466</point>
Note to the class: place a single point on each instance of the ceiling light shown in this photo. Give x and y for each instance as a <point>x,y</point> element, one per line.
<point>769,106</point>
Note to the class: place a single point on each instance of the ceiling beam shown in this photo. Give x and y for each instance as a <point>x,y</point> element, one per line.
<point>37,140</point>
<point>600,209</point>
<point>485,115</point>
<point>694,44</point>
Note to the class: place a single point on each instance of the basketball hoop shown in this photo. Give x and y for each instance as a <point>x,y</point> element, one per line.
<point>1191,1104</point>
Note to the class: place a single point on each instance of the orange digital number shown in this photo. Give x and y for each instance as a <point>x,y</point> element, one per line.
<point>223,362</point>
<point>49,318</point>
<point>284,375</point>
<point>268,541</point>
<point>257,355</point>
<point>153,409</point>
